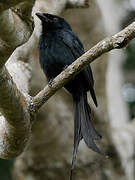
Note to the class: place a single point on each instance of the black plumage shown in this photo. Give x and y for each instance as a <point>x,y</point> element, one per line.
<point>58,48</point>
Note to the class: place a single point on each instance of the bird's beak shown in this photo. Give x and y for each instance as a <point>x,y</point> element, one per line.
<point>42,17</point>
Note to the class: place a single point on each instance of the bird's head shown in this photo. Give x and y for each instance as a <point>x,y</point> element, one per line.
<point>52,22</point>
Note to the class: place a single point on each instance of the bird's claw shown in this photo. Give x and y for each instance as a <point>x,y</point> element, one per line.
<point>50,83</point>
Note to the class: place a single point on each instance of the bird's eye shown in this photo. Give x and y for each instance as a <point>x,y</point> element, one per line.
<point>55,19</point>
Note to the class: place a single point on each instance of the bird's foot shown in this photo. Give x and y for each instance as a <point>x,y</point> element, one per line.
<point>50,83</point>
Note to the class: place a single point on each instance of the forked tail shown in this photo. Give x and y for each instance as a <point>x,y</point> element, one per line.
<point>83,128</point>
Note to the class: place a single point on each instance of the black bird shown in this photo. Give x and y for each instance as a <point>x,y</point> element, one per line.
<point>58,48</point>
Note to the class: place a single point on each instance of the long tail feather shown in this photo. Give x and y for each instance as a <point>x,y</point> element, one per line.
<point>77,129</point>
<point>88,131</point>
<point>83,127</point>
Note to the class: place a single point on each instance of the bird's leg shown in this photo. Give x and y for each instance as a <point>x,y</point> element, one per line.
<point>50,83</point>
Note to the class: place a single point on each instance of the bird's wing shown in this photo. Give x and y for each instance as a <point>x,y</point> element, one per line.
<point>72,42</point>
<point>76,47</point>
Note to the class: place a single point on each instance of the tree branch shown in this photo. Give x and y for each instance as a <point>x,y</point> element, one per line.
<point>116,41</point>
<point>14,109</point>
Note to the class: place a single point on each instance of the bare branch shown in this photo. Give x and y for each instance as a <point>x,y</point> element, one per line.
<point>116,41</point>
